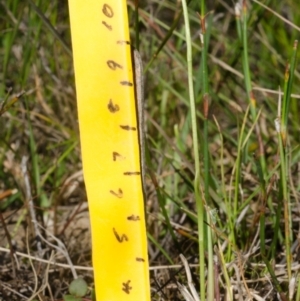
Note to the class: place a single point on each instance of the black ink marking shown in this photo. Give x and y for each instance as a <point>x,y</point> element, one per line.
<point>119,238</point>
<point>115,155</point>
<point>113,65</point>
<point>139,259</point>
<point>107,11</point>
<point>132,173</point>
<point>113,108</point>
<point>109,27</point>
<point>118,194</point>
<point>123,42</point>
<point>125,83</point>
<point>127,128</point>
<point>126,287</point>
<point>133,218</point>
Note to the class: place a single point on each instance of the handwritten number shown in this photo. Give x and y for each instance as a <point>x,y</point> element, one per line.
<point>118,194</point>
<point>126,287</point>
<point>113,65</point>
<point>120,238</point>
<point>109,27</point>
<point>107,11</point>
<point>116,155</point>
<point>113,108</point>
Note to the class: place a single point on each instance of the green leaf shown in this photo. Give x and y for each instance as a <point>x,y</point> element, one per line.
<point>78,287</point>
<point>71,298</point>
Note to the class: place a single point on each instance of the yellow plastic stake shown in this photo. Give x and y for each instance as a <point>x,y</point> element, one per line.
<point>110,148</point>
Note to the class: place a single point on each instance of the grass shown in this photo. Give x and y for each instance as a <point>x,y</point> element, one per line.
<point>247,180</point>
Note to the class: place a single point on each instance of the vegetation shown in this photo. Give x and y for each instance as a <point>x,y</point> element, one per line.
<point>240,63</point>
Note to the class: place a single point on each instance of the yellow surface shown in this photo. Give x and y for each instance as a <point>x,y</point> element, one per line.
<point>110,150</point>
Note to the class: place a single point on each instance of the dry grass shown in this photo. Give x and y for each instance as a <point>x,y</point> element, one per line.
<point>45,236</point>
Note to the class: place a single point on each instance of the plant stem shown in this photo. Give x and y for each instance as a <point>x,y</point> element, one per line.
<point>198,198</point>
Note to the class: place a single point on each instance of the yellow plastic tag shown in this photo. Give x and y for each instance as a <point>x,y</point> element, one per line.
<point>110,149</point>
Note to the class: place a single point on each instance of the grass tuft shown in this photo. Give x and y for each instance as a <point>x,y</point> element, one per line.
<point>223,148</point>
